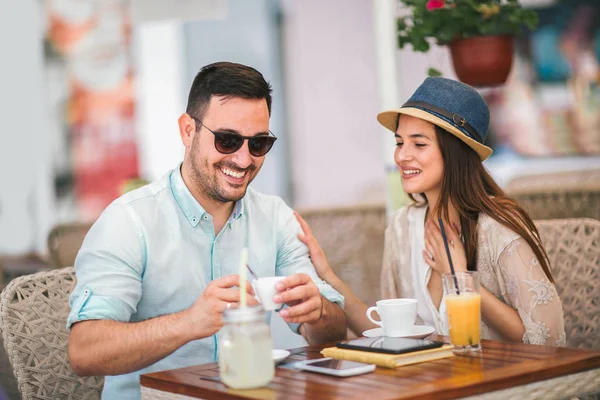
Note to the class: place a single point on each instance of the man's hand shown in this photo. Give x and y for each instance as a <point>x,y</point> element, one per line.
<point>302,296</point>
<point>206,314</point>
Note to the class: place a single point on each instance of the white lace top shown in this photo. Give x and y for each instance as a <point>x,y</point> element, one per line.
<point>507,268</point>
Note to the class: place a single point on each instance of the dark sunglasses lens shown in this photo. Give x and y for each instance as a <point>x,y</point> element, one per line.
<point>228,143</point>
<point>259,146</point>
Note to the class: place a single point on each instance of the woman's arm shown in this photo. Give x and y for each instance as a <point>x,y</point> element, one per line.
<point>500,316</point>
<point>354,309</point>
<point>532,296</point>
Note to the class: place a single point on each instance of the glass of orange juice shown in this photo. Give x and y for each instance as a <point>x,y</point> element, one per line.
<point>463,304</point>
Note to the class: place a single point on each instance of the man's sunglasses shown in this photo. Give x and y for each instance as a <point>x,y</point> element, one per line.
<point>230,142</point>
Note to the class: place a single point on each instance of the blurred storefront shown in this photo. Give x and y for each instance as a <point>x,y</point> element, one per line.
<point>89,44</point>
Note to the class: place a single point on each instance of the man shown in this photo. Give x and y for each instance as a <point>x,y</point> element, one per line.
<point>158,268</point>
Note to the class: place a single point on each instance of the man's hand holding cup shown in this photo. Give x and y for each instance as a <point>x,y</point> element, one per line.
<point>303,298</point>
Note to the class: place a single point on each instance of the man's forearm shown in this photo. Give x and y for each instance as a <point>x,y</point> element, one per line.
<point>331,326</point>
<point>103,347</point>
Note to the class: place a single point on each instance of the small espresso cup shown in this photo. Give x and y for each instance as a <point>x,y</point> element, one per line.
<point>397,316</point>
<point>265,291</point>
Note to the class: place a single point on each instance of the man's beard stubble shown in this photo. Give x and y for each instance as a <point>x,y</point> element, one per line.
<point>208,183</point>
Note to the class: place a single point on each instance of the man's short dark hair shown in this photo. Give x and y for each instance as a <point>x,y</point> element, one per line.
<point>229,80</point>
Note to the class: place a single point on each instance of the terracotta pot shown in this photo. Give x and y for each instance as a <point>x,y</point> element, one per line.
<point>483,60</point>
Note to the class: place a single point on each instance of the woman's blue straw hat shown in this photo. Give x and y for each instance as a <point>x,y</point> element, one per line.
<point>451,105</point>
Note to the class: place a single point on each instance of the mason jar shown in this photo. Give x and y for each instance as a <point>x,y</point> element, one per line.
<point>245,348</point>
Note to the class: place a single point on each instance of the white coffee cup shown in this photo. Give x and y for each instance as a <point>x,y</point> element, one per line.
<point>265,291</point>
<point>397,316</point>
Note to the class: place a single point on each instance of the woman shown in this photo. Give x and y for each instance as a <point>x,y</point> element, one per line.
<point>439,134</point>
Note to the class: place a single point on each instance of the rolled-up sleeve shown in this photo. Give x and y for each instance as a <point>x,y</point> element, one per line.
<point>109,268</point>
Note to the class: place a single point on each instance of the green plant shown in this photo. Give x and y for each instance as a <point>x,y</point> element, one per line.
<point>445,20</point>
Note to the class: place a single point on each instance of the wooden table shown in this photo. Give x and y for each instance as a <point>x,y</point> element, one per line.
<point>501,371</point>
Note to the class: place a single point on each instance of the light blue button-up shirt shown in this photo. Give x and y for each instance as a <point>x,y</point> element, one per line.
<point>153,251</point>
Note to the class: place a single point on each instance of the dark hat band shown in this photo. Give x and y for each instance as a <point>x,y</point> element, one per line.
<point>455,118</point>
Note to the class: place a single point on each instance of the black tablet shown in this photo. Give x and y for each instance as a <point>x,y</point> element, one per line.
<point>389,345</point>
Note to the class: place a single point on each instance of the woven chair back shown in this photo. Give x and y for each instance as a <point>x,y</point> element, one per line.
<point>33,315</point>
<point>573,247</point>
<point>567,194</point>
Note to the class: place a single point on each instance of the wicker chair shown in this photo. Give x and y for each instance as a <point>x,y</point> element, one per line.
<point>64,241</point>
<point>33,314</point>
<point>559,195</point>
<point>573,247</point>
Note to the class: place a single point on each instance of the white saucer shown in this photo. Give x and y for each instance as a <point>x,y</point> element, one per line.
<point>279,355</point>
<point>417,332</point>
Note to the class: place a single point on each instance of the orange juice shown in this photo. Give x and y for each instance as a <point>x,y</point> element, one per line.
<point>464,315</point>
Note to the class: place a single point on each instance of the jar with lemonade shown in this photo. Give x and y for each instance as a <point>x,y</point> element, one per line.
<point>463,305</point>
<point>245,348</point>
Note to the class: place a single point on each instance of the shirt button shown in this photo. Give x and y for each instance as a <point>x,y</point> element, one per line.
<point>205,217</point>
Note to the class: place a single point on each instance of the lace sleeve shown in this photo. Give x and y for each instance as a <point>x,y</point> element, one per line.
<point>533,296</point>
<point>389,280</point>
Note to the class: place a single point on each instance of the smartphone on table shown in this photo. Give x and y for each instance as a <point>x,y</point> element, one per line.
<point>330,366</point>
<point>389,345</point>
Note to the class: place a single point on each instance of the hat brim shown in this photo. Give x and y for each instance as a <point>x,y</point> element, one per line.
<point>389,119</point>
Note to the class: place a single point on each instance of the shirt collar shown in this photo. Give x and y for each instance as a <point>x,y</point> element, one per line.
<point>237,210</point>
<point>192,210</point>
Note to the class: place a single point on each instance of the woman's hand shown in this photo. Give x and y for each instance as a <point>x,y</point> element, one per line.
<point>435,251</point>
<point>315,251</point>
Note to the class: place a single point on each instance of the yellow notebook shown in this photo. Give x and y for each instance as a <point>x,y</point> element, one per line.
<point>388,360</point>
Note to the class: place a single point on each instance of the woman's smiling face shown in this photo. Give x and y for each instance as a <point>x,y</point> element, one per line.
<point>418,155</point>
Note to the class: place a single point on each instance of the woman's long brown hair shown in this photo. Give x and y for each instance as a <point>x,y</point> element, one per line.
<point>471,189</point>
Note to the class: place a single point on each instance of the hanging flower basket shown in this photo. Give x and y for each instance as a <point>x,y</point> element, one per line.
<point>480,34</point>
<point>483,60</point>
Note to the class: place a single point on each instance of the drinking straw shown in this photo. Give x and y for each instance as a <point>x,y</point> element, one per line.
<point>449,256</point>
<point>243,262</point>
<point>243,265</point>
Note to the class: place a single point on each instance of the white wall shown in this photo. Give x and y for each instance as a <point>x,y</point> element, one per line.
<point>26,191</point>
<point>332,103</point>
<point>159,58</point>
<point>160,64</point>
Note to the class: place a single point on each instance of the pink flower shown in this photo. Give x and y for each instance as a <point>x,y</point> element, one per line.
<point>435,4</point>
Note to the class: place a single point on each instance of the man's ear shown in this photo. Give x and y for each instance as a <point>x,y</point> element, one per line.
<point>187,129</point>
